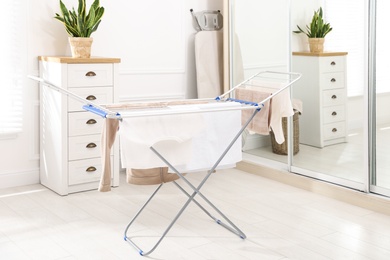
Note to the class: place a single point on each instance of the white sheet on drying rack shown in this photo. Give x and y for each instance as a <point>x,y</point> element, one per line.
<point>189,141</point>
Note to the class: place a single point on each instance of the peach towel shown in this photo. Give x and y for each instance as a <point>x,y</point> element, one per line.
<point>110,127</point>
<point>260,123</point>
<point>281,106</point>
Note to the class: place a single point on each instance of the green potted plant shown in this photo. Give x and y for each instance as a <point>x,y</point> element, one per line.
<point>316,31</point>
<point>80,25</point>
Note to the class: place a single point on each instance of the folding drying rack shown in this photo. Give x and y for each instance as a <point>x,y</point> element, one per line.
<point>287,79</point>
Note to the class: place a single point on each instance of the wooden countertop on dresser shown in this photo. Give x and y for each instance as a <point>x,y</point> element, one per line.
<point>70,60</point>
<point>322,54</point>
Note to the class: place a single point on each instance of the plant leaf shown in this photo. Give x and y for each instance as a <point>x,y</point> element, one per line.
<point>80,24</point>
<point>317,28</point>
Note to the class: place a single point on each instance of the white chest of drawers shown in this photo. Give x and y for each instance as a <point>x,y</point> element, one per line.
<point>323,92</point>
<point>70,151</point>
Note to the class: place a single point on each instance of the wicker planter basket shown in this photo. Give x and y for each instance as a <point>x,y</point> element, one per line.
<point>80,46</point>
<point>283,148</point>
<point>316,45</point>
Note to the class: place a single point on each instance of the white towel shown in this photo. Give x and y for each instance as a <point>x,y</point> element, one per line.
<point>170,134</point>
<point>209,144</point>
<point>190,142</point>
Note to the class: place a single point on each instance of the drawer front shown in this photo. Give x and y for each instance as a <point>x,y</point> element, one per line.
<point>332,80</point>
<point>101,95</point>
<point>84,123</point>
<point>332,64</point>
<point>333,97</point>
<point>90,75</point>
<point>85,171</point>
<point>334,114</point>
<point>83,147</point>
<point>334,130</point>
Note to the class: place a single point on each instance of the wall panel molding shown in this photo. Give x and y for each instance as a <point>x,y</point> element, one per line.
<point>144,98</point>
<point>35,131</point>
<point>279,64</point>
<point>150,71</point>
<point>15,179</point>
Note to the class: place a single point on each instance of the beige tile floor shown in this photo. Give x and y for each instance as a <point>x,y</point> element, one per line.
<point>280,221</point>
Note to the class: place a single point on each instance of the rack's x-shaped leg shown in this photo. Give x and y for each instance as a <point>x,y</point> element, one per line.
<point>191,197</point>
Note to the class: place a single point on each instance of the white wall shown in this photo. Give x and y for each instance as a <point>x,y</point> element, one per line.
<point>262,29</point>
<point>301,14</point>
<point>153,38</point>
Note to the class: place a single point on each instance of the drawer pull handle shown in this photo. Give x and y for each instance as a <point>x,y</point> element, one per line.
<point>333,80</point>
<point>334,113</point>
<point>91,145</point>
<point>91,97</point>
<point>91,169</point>
<point>91,122</point>
<point>334,130</point>
<point>334,96</point>
<point>333,63</point>
<point>90,74</point>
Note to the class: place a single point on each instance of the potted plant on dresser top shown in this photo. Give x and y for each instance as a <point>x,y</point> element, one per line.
<point>80,25</point>
<point>316,31</point>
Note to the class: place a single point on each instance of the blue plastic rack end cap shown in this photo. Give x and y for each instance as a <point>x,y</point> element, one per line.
<point>95,110</point>
<point>141,252</point>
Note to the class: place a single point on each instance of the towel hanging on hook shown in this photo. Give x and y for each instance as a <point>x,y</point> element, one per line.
<point>207,20</point>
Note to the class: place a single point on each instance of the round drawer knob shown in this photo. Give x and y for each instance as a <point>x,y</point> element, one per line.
<point>91,169</point>
<point>91,145</point>
<point>334,96</point>
<point>333,80</point>
<point>91,122</point>
<point>333,63</point>
<point>90,74</point>
<point>91,97</point>
<point>334,113</point>
<point>334,130</point>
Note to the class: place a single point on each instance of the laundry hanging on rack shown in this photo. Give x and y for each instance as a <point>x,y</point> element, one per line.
<point>279,106</point>
<point>261,122</point>
<point>191,142</point>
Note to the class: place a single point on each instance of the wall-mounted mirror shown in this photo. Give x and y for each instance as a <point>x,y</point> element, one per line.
<point>261,39</point>
<point>332,89</point>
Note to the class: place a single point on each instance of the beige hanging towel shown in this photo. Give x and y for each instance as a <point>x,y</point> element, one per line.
<point>261,122</point>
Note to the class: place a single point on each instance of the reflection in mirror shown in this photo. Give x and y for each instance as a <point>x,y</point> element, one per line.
<point>329,136</point>
<point>259,40</point>
<point>381,176</point>
<point>332,134</point>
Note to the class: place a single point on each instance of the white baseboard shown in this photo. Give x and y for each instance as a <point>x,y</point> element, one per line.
<point>255,141</point>
<point>15,179</point>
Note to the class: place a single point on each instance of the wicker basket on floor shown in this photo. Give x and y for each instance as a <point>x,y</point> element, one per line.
<point>283,148</point>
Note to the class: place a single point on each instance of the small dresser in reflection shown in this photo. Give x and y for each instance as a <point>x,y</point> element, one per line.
<point>323,92</point>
